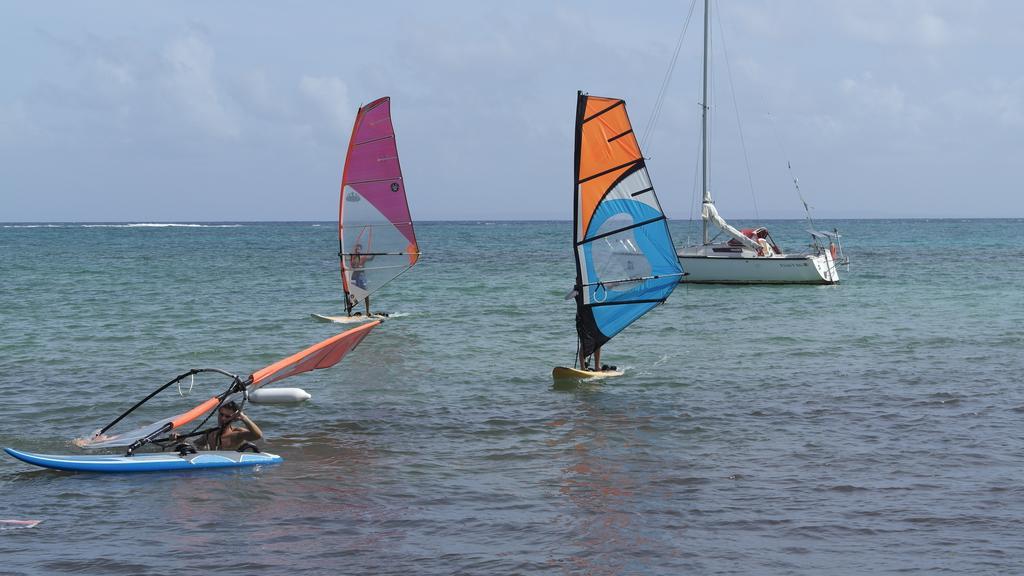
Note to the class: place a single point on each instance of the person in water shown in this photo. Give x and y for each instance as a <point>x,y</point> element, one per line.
<point>226,436</point>
<point>357,261</point>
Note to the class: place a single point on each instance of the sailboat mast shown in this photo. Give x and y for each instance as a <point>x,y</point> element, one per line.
<point>704,123</point>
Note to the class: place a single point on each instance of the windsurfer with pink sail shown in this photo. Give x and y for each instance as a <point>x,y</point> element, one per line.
<point>376,239</point>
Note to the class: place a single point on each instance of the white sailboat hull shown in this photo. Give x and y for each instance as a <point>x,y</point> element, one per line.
<point>745,267</point>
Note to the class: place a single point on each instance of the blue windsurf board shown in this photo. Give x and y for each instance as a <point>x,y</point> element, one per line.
<point>147,462</point>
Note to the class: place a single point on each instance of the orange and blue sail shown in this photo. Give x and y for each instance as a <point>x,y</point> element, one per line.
<point>625,261</point>
<point>376,238</point>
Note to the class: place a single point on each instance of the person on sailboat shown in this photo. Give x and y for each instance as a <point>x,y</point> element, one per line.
<point>357,260</point>
<point>226,436</point>
<point>766,248</point>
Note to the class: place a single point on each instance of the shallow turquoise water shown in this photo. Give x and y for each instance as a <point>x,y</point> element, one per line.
<point>863,428</point>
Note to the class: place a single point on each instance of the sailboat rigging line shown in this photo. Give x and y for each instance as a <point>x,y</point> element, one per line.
<point>693,194</point>
<point>639,161</point>
<point>630,227</point>
<point>789,168</point>
<point>659,102</point>
<point>736,109</point>
<point>599,113</point>
<point>176,379</point>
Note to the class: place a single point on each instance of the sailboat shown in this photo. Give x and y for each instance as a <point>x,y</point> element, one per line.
<point>173,431</point>
<point>625,260</point>
<point>376,238</point>
<point>750,256</point>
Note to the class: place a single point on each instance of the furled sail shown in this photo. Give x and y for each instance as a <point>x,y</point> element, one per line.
<point>321,355</point>
<point>625,261</point>
<point>710,214</point>
<point>375,231</point>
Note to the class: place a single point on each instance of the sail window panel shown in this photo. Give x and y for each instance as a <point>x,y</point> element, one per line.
<point>378,271</point>
<point>628,274</point>
<point>646,274</point>
<point>623,252</point>
<point>618,257</point>
<point>385,253</point>
<point>387,247</point>
<point>124,438</point>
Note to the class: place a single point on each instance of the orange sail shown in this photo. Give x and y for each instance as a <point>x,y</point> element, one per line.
<point>321,355</point>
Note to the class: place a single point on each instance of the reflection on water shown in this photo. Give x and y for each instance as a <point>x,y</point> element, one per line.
<point>616,509</point>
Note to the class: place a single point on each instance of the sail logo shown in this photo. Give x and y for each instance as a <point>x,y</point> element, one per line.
<point>352,196</point>
<point>394,186</point>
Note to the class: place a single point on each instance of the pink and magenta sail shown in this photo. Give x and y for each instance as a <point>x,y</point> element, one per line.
<point>375,231</point>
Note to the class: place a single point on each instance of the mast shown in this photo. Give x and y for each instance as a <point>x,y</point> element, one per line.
<point>704,125</point>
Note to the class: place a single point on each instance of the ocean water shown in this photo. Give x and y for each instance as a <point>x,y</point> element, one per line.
<point>870,427</point>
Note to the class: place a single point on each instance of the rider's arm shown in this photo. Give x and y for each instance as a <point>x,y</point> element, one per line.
<point>252,431</point>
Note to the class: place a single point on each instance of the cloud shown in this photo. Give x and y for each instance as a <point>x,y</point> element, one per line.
<point>1006,99</point>
<point>190,82</point>
<point>997,102</point>
<point>330,96</point>
<point>15,124</point>
<point>899,23</point>
<point>888,102</point>
<point>260,94</point>
<point>931,30</point>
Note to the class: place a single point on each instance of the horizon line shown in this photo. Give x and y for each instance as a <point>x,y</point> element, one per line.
<point>472,220</point>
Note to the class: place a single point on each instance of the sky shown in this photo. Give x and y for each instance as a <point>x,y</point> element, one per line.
<point>241,111</point>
